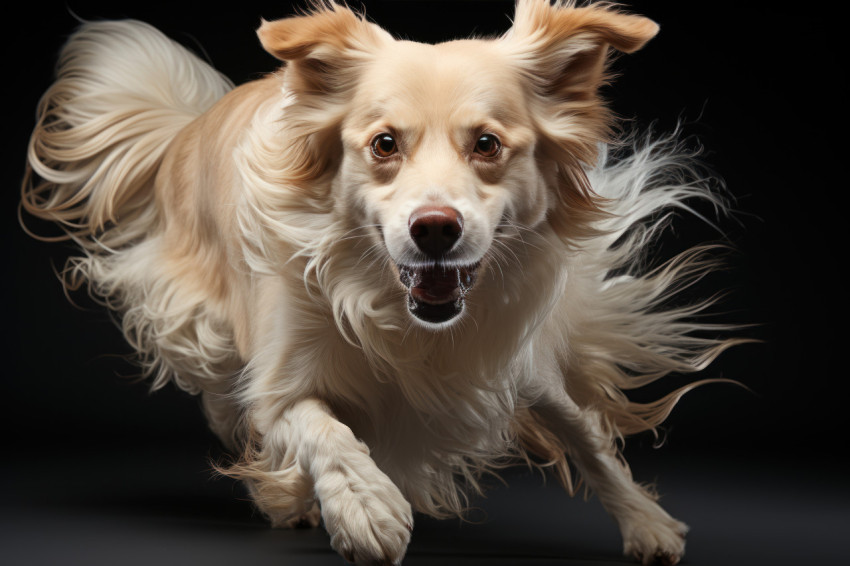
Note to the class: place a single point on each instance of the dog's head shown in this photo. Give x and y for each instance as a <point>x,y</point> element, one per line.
<point>437,151</point>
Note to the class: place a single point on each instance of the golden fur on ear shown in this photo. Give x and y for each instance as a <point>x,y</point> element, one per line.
<point>552,24</point>
<point>562,50</point>
<point>323,49</point>
<point>328,30</point>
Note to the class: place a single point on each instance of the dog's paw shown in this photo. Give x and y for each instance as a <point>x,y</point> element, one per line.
<point>367,517</point>
<point>655,539</point>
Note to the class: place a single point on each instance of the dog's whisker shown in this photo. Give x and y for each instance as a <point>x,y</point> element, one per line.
<point>349,235</point>
<point>497,256</point>
<point>505,248</point>
<point>375,252</point>
<point>518,230</point>
<point>407,331</point>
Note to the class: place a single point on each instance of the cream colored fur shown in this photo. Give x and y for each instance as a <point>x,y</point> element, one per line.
<point>250,241</point>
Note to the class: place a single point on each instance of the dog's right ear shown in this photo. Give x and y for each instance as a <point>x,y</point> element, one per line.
<point>323,47</point>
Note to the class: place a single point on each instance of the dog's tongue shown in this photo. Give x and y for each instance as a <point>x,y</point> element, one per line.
<point>433,285</point>
<point>436,285</point>
<point>436,293</point>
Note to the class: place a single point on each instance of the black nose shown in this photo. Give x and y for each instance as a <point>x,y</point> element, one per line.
<point>435,229</point>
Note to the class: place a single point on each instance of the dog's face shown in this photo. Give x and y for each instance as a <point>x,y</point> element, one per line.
<point>439,156</point>
<point>448,148</point>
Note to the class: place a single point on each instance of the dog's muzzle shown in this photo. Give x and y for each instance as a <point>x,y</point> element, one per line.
<point>437,289</point>
<point>437,293</point>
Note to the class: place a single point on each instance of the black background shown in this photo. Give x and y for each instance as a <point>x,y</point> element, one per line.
<point>758,88</point>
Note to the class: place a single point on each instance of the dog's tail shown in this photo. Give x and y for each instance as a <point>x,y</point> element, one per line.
<point>123,92</point>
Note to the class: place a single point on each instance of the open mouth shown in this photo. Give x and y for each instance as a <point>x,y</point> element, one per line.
<point>437,293</point>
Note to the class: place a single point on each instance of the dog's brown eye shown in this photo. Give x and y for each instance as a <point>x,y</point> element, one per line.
<point>383,145</point>
<point>488,145</point>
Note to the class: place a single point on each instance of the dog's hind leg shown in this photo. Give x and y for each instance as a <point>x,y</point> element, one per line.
<point>650,534</point>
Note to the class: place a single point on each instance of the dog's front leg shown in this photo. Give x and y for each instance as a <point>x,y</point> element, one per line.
<point>650,534</point>
<point>367,517</point>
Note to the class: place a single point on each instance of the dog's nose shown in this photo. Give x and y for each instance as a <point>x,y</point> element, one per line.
<point>435,229</point>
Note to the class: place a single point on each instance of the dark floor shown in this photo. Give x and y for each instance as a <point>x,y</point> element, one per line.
<point>155,507</point>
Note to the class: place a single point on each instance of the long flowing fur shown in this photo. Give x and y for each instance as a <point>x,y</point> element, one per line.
<point>123,91</point>
<point>107,129</point>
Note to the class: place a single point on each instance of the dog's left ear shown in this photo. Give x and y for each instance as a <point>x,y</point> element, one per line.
<point>566,48</point>
<point>563,52</point>
<point>323,47</point>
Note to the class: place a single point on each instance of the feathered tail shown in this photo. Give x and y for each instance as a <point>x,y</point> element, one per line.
<point>122,94</point>
<point>123,91</point>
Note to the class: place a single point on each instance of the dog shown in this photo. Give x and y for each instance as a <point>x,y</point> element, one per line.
<point>387,267</point>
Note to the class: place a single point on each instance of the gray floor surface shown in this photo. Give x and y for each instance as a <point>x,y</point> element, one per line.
<point>154,507</point>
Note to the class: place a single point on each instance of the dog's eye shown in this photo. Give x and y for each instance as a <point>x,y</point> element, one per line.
<point>383,145</point>
<point>488,145</point>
